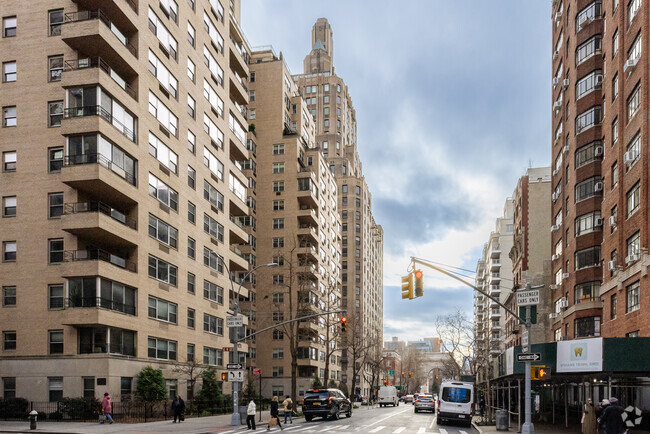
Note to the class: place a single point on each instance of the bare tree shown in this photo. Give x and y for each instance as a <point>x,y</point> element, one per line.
<point>332,333</point>
<point>191,370</point>
<point>374,360</point>
<point>456,334</point>
<point>356,346</point>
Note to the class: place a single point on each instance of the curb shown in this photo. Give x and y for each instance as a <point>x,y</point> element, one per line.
<point>477,428</point>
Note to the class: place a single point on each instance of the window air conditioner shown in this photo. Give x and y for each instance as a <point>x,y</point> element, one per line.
<point>556,171</point>
<point>555,228</point>
<point>631,258</point>
<point>612,221</point>
<point>564,338</point>
<point>565,83</point>
<point>556,80</point>
<point>598,151</point>
<point>555,196</point>
<point>598,222</point>
<point>557,105</point>
<point>611,265</point>
<point>557,53</point>
<point>629,157</point>
<point>599,80</point>
<point>598,186</point>
<point>553,315</point>
<point>583,19</point>
<point>565,275</point>
<point>565,149</point>
<point>630,64</point>
<point>558,15</point>
<point>552,286</point>
<point>563,302</point>
<point>555,257</point>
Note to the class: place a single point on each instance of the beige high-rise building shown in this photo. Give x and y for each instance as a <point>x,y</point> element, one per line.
<point>300,229</point>
<point>329,102</point>
<point>124,192</point>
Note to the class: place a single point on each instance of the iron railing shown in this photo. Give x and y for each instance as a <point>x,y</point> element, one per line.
<point>106,303</point>
<point>98,110</point>
<point>74,160</point>
<point>75,17</point>
<point>101,207</point>
<point>99,255</point>
<point>98,62</point>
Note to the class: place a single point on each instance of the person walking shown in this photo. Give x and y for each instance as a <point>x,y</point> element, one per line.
<point>107,408</point>
<point>178,408</point>
<point>250,415</point>
<point>481,405</point>
<point>589,418</point>
<point>288,409</point>
<point>274,414</point>
<point>611,420</point>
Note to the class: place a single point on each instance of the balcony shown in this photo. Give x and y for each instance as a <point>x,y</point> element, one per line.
<point>238,230</point>
<point>82,72</point>
<point>124,13</point>
<point>92,33</point>
<point>306,229</point>
<point>307,215</point>
<point>79,120</point>
<point>495,265</point>
<point>308,251</point>
<point>495,314</point>
<point>97,262</point>
<point>102,308</point>
<point>307,197</point>
<point>495,278</point>
<point>99,223</point>
<point>238,262</point>
<point>103,340</point>
<point>495,251</point>
<point>495,290</point>
<point>94,254</point>
<point>238,90</point>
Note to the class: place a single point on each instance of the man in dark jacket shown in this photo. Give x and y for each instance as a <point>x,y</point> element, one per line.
<point>611,421</point>
<point>178,407</point>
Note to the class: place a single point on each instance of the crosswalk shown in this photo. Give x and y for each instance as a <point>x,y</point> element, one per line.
<point>381,429</point>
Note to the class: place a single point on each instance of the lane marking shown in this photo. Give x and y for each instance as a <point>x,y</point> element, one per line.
<point>399,430</point>
<point>329,428</point>
<point>388,417</point>
<point>343,426</point>
<point>443,431</point>
<point>422,430</point>
<point>432,422</point>
<point>379,428</point>
<point>463,432</point>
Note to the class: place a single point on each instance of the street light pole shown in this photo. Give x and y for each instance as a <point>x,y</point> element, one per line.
<point>235,419</point>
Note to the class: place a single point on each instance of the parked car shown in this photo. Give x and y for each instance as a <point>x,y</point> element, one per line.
<point>425,403</point>
<point>456,402</point>
<point>388,396</point>
<point>408,398</point>
<point>325,403</point>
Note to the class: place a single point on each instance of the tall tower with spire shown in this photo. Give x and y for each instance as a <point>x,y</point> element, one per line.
<point>320,59</point>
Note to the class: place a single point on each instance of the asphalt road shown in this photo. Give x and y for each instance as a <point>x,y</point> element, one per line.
<point>386,420</point>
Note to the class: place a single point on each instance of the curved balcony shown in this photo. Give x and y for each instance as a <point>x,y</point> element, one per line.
<point>99,223</point>
<point>79,120</point>
<point>95,70</point>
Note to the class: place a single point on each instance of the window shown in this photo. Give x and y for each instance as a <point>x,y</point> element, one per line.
<point>167,41</point>
<point>212,292</point>
<point>55,109</point>
<point>278,279</point>
<point>89,387</point>
<point>190,357</point>
<point>163,153</point>
<point>278,353</point>
<point>8,296</point>
<point>9,71</point>
<point>191,247</point>
<point>278,223</point>
<point>163,310</point>
<point>213,98</point>
<point>163,232</point>
<point>55,250</point>
<point>586,188</point>
<point>191,34</point>
<point>56,20</point>
<point>586,292</point>
<point>614,174</point>
<point>56,341</point>
<point>278,371</point>
<point>9,251</point>
<point>588,49</point>
<point>191,212</point>
<point>9,161</point>
<point>9,206</point>
<point>55,67</point>
<point>278,205</point>
<point>212,64</point>
<point>278,243</point>
<point>212,227</point>
<point>55,156</point>
<point>586,223</point>
<point>588,83</point>
<point>9,339</point>
<point>251,96</point>
<point>164,193</point>
<point>9,27</point>
<point>55,388</point>
<point>634,244</point>
<point>191,106</point>
<point>615,43</point>
<point>278,167</point>
<point>213,163</point>
<point>632,9</point>
<point>589,257</point>
<point>213,196</point>
<point>212,324</point>
<point>589,326</point>
<point>160,111</point>
<point>161,348</point>
<point>9,116</point>
<point>191,282</point>
<point>633,199</point>
<point>163,271</point>
<point>55,296</point>
<point>278,186</point>
<point>588,119</point>
<point>634,102</point>
<point>9,387</point>
<point>632,297</point>
<point>633,151</point>
<point>212,356</point>
<point>212,260</point>
<point>613,303</point>
<point>191,69</point>
<point>55,202</point>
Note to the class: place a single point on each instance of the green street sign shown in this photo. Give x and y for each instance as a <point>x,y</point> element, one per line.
<point>391,372</point>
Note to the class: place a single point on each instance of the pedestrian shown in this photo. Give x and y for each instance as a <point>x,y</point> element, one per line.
<point>250,415</point>
<point>611,420</point>
<point>288,409</point>
<point>274,414</point>
<point>178,408</point>
<point>589,418</point>
<point>481,405</point>
<point>107,408</point>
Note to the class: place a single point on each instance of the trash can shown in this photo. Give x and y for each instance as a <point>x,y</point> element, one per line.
<point>502,420</point>
<point>243,412</point>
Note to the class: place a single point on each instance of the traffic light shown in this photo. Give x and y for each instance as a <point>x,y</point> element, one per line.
<point>344,323</point>
<point>224,376</point>
<point>407,286</point>
<point>419,284</point>
<point>410,374</point>
<point>540,372</point>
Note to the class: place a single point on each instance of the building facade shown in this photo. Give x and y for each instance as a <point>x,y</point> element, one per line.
<point>300,230</point>
<point>330,104</point>
<point>124,128</point>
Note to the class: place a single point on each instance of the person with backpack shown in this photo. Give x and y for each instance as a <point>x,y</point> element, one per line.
<point>288,409</point>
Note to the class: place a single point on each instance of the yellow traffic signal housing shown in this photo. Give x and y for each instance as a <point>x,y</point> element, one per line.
<point>540,372</point>
<point>407,286</point>
<point>419,283</point>
<point>344,324</point>
<point>224,376</point>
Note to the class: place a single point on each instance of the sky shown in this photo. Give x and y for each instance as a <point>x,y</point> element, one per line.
<point>453,104</point>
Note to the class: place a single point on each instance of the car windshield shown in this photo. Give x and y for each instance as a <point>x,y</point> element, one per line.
<point>456,394</point>
<point>321,394</point>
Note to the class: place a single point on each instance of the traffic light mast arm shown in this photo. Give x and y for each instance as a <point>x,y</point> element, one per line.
<point>415,260</point>
<point>287,322</point>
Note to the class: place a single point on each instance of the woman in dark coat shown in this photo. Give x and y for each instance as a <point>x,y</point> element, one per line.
<point>275,414</point>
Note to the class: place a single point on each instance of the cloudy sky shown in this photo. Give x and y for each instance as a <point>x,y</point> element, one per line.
<point>453,103</point>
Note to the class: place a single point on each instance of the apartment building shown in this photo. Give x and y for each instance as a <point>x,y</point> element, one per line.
<point>530,253</point>
<point>330,104</point>
<point>123,129</point>
<point>600,216</point>
<point>300,230</point>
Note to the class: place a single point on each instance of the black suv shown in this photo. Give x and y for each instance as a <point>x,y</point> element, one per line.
<point>324,403</point>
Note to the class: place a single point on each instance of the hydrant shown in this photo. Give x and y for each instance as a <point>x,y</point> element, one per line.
<point>32,419</point>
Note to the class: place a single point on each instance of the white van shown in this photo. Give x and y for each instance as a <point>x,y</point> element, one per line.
<point>388,396</point>
<point>456,402</point>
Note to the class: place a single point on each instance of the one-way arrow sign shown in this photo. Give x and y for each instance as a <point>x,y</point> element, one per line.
<point>529,357</point>
<point>230,366</point>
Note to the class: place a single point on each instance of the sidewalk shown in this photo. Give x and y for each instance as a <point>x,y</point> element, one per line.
<point>539,428</point>
<point>210,424</point>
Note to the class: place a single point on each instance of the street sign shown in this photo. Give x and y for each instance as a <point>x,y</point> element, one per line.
<point>231,366</point>
<point>528,298</point>
<point>257,371</point>
<point>524,340</point>
<point>236,375</point>
<point>234,321</point>
<point>529,357</point>
<point>391,372</point>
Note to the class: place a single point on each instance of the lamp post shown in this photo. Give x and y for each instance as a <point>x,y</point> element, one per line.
<point>235,419</point>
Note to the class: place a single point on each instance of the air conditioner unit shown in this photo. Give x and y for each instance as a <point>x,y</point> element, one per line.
<point>631,258</point>
<point>565,275</point>
<point>565,149</point>
<point>555,54</point>
<point>599,80</point>
<point>553,315</point>
<point>556,80</point>
<point>612,221</point>
<point>598,186</point>
<point>583,20</point>
<point>555,228</point>
<point>565,83</point>
<point>558,15</point>
<point>630,64</point>
<point>557,105</point>
<point>598,221</point>
<point>552,286</point>
<point>555,196</point>
<point>556,171</point>
<point>564,338</point>
<point>555,257</point>
<point>629,157</point>
<point>563,302</point>
<point>598,151</point>
<point>611,265</point>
